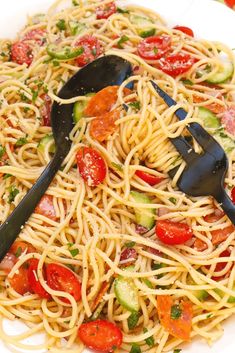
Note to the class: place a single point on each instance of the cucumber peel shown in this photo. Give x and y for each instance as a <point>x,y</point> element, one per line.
<point>43,143</point>
<point>223,74</point>
<point>144,216</point>
<point>209,119</point>
<point>126,293</point>
<point>65,53</point>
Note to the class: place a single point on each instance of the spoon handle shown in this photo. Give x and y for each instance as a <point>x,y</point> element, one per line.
<point>226,204</point>
<point>10,229</point>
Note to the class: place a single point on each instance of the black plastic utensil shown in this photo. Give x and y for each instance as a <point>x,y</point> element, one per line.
<point>204,173</point>
<point>106,71</point>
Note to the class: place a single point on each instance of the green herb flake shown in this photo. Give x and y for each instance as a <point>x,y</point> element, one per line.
<point>150,340</point>
<point>34,95</point>
<point>61,25</point>
<point>2,151</point>
<point>155,49</point>
<point>122,40</point>
<point>120,10</point>
<point>176,312</point>
<point>133,320</point>
<point>117,166</point>
<point>13,191</point>
<point>23,97</point>
<point>6,176</point>
<point>135,348</point>
<point>130,244</point>
<point>187,82</point>
<point>71,267</point>
<point>135,105</point>
<point>75,3</point>
<point>55,63</point>
<point>209,316</point>
<point>26,109</point>
<point>148,283</point>
<point>173,200</point>
<point>74,252</point>
<point>21,141</point>
<point>18,251</point>
<point>177,350</point>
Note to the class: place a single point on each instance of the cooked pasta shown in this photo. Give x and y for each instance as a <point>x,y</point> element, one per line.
<point>97,244</point>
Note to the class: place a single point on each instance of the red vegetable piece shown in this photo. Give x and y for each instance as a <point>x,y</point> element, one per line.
<point>173,233</point>
<point>220,266</point>
<point>91,166</point>
<point>104,125</point>
<point>129,255</point>
<point>62,279</point>
<point>21,246</point>
<point>153,48</point>
<point>34,284</point>
<point>148,178</point>
<point>100,335</point>
<point>46,110</point>
<point>219,235</point>
<point>233,194</point>
<point>230,3</point>
<point>176,64</point>
<point>105,11</point>
<point>19,282</point>
<point>92,49</point>
<point>38,35</point>
<point>21,53</point>
<point>185,30</point>
<point>46,207</point>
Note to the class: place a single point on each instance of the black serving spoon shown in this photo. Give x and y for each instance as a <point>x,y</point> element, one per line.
<point>106,71</point>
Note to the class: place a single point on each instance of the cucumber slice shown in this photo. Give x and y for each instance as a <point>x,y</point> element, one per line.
<point>126,293</point>
<point>201,294</point>
<point>144,24</point>
<point>209,119</point>
<point>43,143</point>
<point>76,27</point>
<point>223,74</point>
<point>78,110</point>
<point>65,53</point>
<point>144,216</point>
<point>226,142</point>
<point>230,300</point>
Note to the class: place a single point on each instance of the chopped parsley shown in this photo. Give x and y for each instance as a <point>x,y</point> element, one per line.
<point>133,320</point>
<point>61,25</point>
<point>117,166</point>
<point>18,251</point>
<point>176,312</point>
<point>155,49</point>
<point>120,10</point>
<point>135,105</point>
<point>2,151</point>
<point>74,252</point>
<point>23,97</point>
<point>150,340</point>
<point>135,348</point>
<point>122,40</point>
<point>148,283</point>
<point>13,191</point>
<point>75,3</point>
<point>6,176</point>
<point>34,95</point>
<point>173,200</point>
<point>21,141</point>
<point>177,350</point>
<point>187,82</point>
<point>130,244</point>
<point>209,316</point>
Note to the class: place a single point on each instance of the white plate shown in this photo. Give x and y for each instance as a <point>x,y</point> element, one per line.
<point>209,20</point>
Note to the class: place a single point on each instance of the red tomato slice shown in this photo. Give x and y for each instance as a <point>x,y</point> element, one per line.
<point>103,126</point>
<point>233,194</point>
<point>91,166</point>
<point>38,35</point>
<point>181,327</point>
<point>148,178</point>
<point>92,49</point>
<point>46,110</point>
<point>105,11</point>
<point>154,47</point>
<point>185,30</point>
<point>219,235</point>
<point>228,119</point>
<point>21,53</point>
<point>46,207</point>
<point>214,107</point>
<point>176,64</point>
<point>34,284</point>
<point>19,247</point>
<point>62,279</point>
<point>220,266</point>
<point>100,335</point>
<point>128,256</point>
<point>19,282</point>
<point>230,3</point>
<point>173,233</point>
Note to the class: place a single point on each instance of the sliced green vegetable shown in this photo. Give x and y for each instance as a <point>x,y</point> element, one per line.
<point>122,40</point>
<point>150,340</point>
<point>43,143</point>
<point>226,141</point>
<point>144,25</point>
<point>135,348</point>
<point>65,53</point>
<point>78,110</point>
<point>76,27</point>
<point>223,74</point>
<point>133,320</point>
<point>2,151</point>
<point>126,292</point>
<point>21,141</point>
<point>144,216</point>
<point>209,119</point>
<point>13,191</point>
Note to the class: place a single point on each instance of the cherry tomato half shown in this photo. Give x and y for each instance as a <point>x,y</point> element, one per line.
<point>154,47</point>
<point>100,335</point>
<point>105,11</point>
<point>220,266</point>
<point>173,233</point>
<point>34,284</point>
<point>148,178</point>
<point>230,3</point>
<point>219,235</point>
<point>62,279</point>
<point>176,64</point>
<point>19,247</point>
<point>185,30</point>
<point>91,166</point>
<point>19,282</point>
<point>21,53</point>
<point>38,35</point>
<point>46,207</point>
<point>92,49</point>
